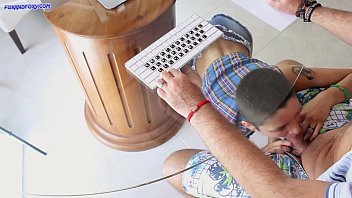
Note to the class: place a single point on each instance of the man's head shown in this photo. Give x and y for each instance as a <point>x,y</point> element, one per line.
<point>265,99</point>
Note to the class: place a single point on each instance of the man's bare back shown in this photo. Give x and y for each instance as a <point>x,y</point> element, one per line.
<point>327,149</point>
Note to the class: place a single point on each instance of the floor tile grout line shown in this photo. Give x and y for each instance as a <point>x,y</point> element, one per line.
<point>215,8</point>
<point>277,36</point>
<point>23,173</point>
<point>183,142</point>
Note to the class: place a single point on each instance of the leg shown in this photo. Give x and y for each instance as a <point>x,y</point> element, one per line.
<point>211,179</point>
<point>175,162</point>
<point>17,41</point>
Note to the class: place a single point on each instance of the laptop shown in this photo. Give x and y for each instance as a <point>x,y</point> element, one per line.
<point>110,4</point>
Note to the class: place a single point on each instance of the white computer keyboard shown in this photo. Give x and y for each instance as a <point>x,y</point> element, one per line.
<point>173,50</point>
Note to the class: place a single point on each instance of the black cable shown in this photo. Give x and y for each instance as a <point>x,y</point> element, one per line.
<point>22,140</point>
<point>127,188</point>
<point>118,190</point>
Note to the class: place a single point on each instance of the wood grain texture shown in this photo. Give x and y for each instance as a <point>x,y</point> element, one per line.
<point>137,15</point>
<point>120,112</point>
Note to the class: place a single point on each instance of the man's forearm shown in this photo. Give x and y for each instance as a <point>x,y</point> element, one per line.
<point>336,21</point>
<point>334,95</point>
<point>251,168</point>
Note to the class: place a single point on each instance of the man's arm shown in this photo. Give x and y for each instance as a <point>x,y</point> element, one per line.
<point>336,21</point>
<point>251,168</point>
<point>319,77</point>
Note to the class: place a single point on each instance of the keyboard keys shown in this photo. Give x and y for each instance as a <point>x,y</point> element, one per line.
<point>150,55</point>
<point>134,67</point>
<point>140,70</point>
<point>152,77</point>
<point>146,73</point>
<point>173,50</point>
<point>145,59</point>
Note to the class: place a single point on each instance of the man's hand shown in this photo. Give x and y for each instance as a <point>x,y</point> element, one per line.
<point>279,146</point>
<point>285,6</point>
<point>179,92</point>
<point>314,114</point>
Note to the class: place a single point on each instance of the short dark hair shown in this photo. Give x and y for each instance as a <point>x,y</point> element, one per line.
<point>261,93</point>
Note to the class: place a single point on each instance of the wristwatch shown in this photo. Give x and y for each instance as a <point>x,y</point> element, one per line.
<point>304,11</point>
<point>300,10</point>
<point>308,3</point>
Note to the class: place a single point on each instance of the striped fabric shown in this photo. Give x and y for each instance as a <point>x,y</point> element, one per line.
<point>340,174</point>
<point>220,83</point>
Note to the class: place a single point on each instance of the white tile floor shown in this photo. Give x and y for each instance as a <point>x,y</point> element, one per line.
<point>42,101</point>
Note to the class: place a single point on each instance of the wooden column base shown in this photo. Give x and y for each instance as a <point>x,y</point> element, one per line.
<point>140,142</point>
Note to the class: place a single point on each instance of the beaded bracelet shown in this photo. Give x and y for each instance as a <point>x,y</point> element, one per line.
<point>347,95</point>
<point>306,8</point>
<point>308,13</point>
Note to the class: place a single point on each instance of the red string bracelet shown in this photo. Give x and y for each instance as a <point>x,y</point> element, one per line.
<point>196,108</point>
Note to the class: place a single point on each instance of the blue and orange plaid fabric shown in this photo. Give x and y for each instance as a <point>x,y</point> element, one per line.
<point>220,83</point>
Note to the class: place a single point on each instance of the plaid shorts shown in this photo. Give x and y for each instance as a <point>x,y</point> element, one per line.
<point>220,81</point>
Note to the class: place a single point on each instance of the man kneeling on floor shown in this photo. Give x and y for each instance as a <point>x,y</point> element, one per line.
<point>328,158</point>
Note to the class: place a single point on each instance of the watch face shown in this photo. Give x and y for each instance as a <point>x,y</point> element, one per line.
<point>309,2</point>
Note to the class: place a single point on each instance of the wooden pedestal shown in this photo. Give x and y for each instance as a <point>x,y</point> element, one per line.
<point>120,112</point>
